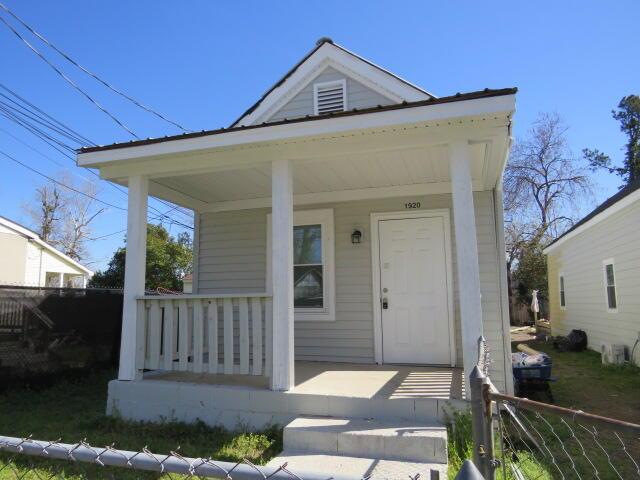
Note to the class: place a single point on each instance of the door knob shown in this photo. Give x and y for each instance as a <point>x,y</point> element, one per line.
<point>385,303</point>
<point>385,290</point>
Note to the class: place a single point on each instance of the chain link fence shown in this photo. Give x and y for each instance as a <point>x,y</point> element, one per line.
<point>516,438</point>
<point>34,459</point>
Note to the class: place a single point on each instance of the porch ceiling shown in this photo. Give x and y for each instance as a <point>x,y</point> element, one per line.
<point>401,151</point>
<point>355,171</point>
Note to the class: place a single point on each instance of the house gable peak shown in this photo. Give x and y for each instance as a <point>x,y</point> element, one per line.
<point>297,94</point>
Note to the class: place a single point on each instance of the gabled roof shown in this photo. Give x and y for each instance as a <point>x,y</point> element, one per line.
<point>327,53</point>
<point>33,236</point>
<point>606,208</point>
<point>458,97</point>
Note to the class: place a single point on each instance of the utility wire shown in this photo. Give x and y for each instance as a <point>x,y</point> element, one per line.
<point>67,79</point>
<point>53,119</point>
<point>56,144</point>
<point>91,74</point>
<point>160,215</point>
<point>60,183</point>
<point>37,120</point>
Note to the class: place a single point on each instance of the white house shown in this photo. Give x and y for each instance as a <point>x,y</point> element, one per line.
<point>348,251</point>
<point>26,260</point>
<point>593,275</point>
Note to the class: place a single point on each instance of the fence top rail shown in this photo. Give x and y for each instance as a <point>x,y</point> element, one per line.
<point>568,413</point>
<point>203,296</point>
<point>146,460</point>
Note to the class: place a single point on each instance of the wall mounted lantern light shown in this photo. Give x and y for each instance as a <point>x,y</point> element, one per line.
<point>356,237</point>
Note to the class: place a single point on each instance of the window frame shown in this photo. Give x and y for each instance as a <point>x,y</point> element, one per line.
<point>342,83</point>
<point>324,218</point>
<point>606,262</point>
<point>562,291</point>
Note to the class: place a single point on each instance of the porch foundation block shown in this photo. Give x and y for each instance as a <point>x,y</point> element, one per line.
<point>235,407</point>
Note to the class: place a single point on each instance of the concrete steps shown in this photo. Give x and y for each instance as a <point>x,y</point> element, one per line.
<point>357,467</point>
<point>424,442</point>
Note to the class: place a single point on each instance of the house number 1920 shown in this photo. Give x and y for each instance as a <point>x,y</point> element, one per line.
<point>412,205</point>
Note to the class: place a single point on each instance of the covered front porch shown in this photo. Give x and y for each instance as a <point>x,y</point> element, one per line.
<point>237,329</point>
<point>346,380</point>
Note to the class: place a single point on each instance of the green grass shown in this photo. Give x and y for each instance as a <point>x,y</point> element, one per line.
<point>74,410</point>
<point>583,383</point>
<point>460,448</point>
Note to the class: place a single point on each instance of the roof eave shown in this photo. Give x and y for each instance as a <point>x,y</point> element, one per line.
<point>486,101</point>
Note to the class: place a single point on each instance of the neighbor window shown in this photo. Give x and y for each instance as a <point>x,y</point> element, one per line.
<point>563,300</point>
<point>313,264</point>
<point>610,285</point>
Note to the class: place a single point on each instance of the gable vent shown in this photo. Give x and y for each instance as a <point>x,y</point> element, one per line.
<point>330,97</point>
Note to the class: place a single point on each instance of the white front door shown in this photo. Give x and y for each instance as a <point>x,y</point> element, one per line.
<point>414,294</point>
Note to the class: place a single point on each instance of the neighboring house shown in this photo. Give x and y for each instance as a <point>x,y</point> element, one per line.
<point>594,274</point>
<point>347,223</point>
<point>187,283</point>
<point>26,260</point>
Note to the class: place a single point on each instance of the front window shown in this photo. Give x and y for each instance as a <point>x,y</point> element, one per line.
<point>610,285</point>
<point>307,267</point>
<point>313,264</point>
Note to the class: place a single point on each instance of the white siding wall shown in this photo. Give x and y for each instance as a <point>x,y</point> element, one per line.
<point>12,252</point>
<point>233,259</point>
<point>34,275</point>
<point>580,259</point>
<point>358,96</point>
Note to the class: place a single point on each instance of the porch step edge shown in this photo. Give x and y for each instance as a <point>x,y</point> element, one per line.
<point>388,440</point>
<point>358,467</point>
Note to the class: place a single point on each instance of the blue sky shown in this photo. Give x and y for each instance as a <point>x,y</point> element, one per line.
<point>203,63</point>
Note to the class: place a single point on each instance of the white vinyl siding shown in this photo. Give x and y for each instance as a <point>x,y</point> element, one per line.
<point>40,261</point>
<point>581,261</point>
<point>233,259</point>
<point>13,248</point>
<point>302,104</point>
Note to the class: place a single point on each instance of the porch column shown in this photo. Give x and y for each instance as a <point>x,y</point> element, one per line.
<point>282,373</point>
<point>134,274</point>
<point>468,272</point>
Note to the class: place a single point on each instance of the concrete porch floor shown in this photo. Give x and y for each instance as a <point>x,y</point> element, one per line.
<point>347,380</point>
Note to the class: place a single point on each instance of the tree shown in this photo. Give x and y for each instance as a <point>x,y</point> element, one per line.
<point>46,211</point>
<point>628,114</point>
<point>169,259</point>
<point>543,187</point>
<point>63,216</point>
<point>80,210</point>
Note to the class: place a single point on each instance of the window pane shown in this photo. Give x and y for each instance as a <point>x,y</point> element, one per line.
<point>307,244</point>
<point>562,298</point>
<point>611,297</point>
<point>610,276</point>
<point>307,290</point>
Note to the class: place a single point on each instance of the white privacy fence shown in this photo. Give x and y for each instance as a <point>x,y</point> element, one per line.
<point>220,334</point>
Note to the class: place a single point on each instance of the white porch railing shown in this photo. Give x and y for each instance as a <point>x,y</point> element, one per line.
<point>220,334</point>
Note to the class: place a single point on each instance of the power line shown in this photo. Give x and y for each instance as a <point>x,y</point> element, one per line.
<point>91,74</point>
<point>60,183</point>
<point>34,118</point>
<point>52,142</point>
<point>58,144</point>
<point>170,220</point>
<point>53,119</point>
<point>67,79</point>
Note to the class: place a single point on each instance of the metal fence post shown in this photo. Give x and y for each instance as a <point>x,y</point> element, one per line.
<point>482,427</point>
